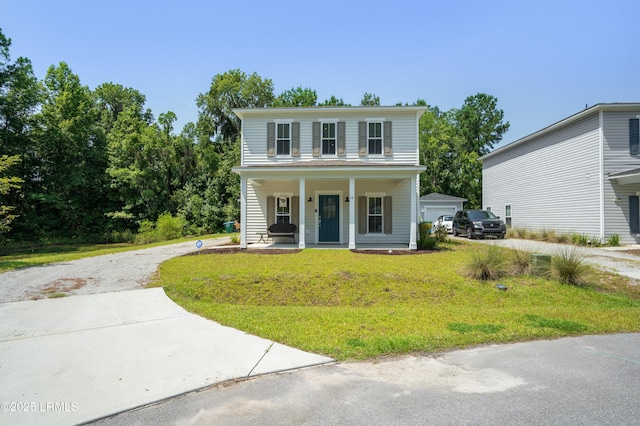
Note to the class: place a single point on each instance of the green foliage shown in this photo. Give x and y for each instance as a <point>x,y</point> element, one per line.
<point>487,263</point>
<point>333,101</point>
<point>613,240</point>
<point>425,240</point>
<point>370,99</point>
<point>7,183</point>
<point>296,97</point>
<point>571,327</point>
<point>167,227</point>
<point>440,233</point>
<point>569,267</point>
<point>233,89</point>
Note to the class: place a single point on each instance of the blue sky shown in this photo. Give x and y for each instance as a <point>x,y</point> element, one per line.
<point>543,60</point>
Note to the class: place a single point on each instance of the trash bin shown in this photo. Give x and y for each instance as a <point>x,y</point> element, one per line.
<point>228,227</point>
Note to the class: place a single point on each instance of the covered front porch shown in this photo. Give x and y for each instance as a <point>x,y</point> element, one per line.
<point>332,207</point>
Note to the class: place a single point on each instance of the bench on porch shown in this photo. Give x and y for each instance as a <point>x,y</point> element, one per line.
<point>282,230</point>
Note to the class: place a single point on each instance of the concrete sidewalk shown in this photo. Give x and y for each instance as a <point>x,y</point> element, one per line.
<point>75,359</point>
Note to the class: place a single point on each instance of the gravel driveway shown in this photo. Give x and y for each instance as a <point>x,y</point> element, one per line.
<point>113,272</point>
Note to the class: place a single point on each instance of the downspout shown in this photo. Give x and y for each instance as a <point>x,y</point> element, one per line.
<point>601,156</point>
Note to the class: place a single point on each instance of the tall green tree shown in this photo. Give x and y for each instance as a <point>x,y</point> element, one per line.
<point>19,99</point>
<point>296,97</point>
<point>71,156</point>
<point>233,89</point>
<point>481,123</point>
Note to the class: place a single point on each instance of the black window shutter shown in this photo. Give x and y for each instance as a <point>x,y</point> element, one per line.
<point>387,138</point>
<point>315,138</point>
<point>634,135</point>
<point>271,210</point>
<point>634,214</point>
<point>362,138</point>
<point>362,215</point>
<point>271,139</point>
<point>295,139</point>
<point>341,139</point>
<point>388,218</point>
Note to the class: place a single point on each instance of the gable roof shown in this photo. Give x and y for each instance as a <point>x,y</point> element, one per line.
<point>434,196</point>
<point>566,121</point>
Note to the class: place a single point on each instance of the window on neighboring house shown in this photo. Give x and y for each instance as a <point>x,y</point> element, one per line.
<point>374,215</point>
<point>328,138</point>
<point>634,135</point>
<point>283,139</point>
<point>374,138</point>
<point>488,208</point>
<point>283,209</point>
<point>507,214</point>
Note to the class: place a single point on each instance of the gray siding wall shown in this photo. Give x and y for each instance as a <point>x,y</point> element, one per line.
<point>404,141</point>
<point>617,160</point>
<point>551,181</point>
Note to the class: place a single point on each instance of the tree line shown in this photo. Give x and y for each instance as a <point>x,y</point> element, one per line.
<point>98,165</point>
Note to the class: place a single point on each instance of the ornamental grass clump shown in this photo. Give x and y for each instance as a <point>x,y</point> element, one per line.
<point>487,263</point>
<point>569,267</point>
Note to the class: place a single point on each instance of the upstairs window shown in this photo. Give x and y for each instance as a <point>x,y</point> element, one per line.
<point>634,135</point>
<point>374,138</point>
<point>283,139</point>
<point>328,138</point>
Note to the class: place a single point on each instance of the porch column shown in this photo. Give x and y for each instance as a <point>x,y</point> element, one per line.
<point>243,212</point>
<point>352,213</point>
<point>414,213</point>
<point>302,214</point>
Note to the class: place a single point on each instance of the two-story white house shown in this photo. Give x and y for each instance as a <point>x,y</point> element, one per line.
<point>581,174</point>
<point>345,176</point>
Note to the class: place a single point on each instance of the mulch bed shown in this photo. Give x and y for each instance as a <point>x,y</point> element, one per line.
<point>232,250</point>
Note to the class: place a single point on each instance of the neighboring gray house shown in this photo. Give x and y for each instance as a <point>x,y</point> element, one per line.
<point>581,174</point>
<point>435,205</point>
<point>346,176</point>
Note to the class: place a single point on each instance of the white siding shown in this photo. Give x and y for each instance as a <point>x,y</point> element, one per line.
<point>617,160</point>
<point>404,141</point>
<point>551,181</point>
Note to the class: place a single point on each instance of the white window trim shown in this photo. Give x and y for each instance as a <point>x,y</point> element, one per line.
<point>381,122</point>
<point>288,122</point>
<point>335,138</point>
<point>277,196</point>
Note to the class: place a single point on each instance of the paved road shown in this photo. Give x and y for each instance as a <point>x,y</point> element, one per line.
<point>590,380</point>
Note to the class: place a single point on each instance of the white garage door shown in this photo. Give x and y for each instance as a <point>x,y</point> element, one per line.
<point>432,213</point>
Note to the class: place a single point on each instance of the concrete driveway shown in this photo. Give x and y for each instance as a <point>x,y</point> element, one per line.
<point>74,359</point>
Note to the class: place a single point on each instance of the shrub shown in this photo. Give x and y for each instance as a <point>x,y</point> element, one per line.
<point>426,241</point>
<point>487,263</point>
<point>569,266</point>
<point>522,262</point>
<point>563,238</point>
<point>613,240</point>
<point>169,227</point>
<point>440,233</point>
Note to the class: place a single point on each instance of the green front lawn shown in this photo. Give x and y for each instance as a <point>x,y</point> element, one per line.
<point>355,306</point>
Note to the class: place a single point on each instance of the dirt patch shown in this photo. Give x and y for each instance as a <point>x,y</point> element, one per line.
<point>233,250</point>
<point>394,252</point>
<point>60,288</point>
<point>633,252</point>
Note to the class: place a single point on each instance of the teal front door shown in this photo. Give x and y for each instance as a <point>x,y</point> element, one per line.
<point>329,219</point>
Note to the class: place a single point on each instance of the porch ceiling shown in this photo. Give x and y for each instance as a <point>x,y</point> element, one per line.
<point>626,178</point>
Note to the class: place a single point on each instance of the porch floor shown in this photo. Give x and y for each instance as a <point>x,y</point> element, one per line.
<point>329,246</point>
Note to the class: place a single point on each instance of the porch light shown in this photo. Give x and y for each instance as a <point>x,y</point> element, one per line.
<point>346,199</point>
<point>310,200</point>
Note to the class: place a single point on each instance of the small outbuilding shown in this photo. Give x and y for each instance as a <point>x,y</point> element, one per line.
<point>434,205</point>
